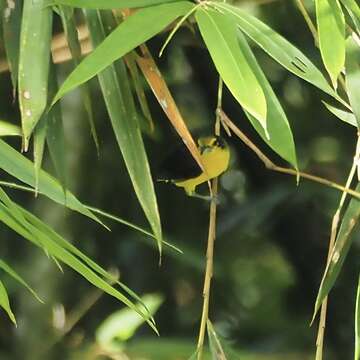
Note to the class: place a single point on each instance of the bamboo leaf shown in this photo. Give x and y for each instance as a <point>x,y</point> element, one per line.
<point>353,9</point>
<point>280,134</point>
<point>34,59</point>
<point>8,129</point>
<point>352,69</point>
<point>280,49</point>
<point>44,237</point>
<point>123,116</point>
<point>8,269</point>
<point>39,146</point>
<point>216,350</point>
<point>357,323</point>
<point>69,25</point>
<point>219,34</point>
<point>340,250</point>
<point>345,116</point>
<point>109,4</point>
<point>331,30</point>
<point>166,101</point>
<point>122,40</point>
<point>11,22</point>
<point>4,302</point>
<point>21,168</point>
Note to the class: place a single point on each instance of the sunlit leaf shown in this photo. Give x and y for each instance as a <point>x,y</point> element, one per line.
<point>331,30</point>
<point>123,39</point>
<point>8,269</point>
<point>345,116</point>
<point>4,302</point>
<point>280,134</point>
<point>109,4</point>
<point>119,102</point>
<point>353,8</point>
<point>121,325</point>
<point>280,49</point>
<point>8,129</point>
<point>21,168</point>
<point>220,36</point>
<point>340,250</point>
<point>352,69</point>
<point>35,40</point>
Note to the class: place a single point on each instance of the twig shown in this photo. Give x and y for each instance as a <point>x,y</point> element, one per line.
<point>211,240</point>
<point>334,227</point>
<point>271,166</point>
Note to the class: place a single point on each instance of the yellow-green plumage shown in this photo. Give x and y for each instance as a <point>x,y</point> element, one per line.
<point>215,156</point>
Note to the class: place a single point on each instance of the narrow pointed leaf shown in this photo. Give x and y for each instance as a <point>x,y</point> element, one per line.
<point>109,4</point>
<point>331,30</point>
<point>43,238</point>
<point>39,146</point>
<point>216,350</point>
<point>8,269</point>
<point>8,129</point>
<point>70,30</point>
<point>4,302</point>
<point>35,41</point>
<point>280,49</point>
<point>352,69</point>
<point>280,134</point>
<point>21,168</point>
<point>11,22</point>
<point>340,250</point>
<point>123,116</point>
<point>353,9</point>
<point>122,40</point>
<point>345,116</point>
<point>220,36</point>
<point>357,323</point>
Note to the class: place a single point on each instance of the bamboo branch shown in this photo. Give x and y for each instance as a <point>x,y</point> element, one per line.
<point>271,166</point>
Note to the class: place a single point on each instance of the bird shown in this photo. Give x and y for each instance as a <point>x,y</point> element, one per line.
<point>180,168</point>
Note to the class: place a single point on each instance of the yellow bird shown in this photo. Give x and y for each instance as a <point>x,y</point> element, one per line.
<point>181,169</point>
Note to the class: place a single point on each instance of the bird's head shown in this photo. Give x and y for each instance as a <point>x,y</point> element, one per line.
<point>210,143</point>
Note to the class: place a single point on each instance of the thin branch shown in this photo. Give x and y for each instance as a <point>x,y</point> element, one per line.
<point>334,227</point>
<point>271,166</point>
<point>211,239</point>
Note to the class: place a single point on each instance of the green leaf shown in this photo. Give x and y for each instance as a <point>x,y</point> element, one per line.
<point>21,168</point>
<point>44,237</point>
<point>122,40</point>
<point>39,146</point>
<point>357,323</point>
<point>55,136</point>
<point>339,251</point>
<point>352,70</point>
<point>345,116</point>
<point>11,22</point>
<point>70,30</point>
<point>280,134</point>
<point>4,302</point>
<point>280,49</point>
<point>35,41</point>
<point>354,11</point>
<point>123,116</point>
<point>331,30</point>
<point>216,350</point>
<point>109,4</point>
<point>8,129</point>
<point>220,36</point>
<point>18,278</point>
<point>121,325</point>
